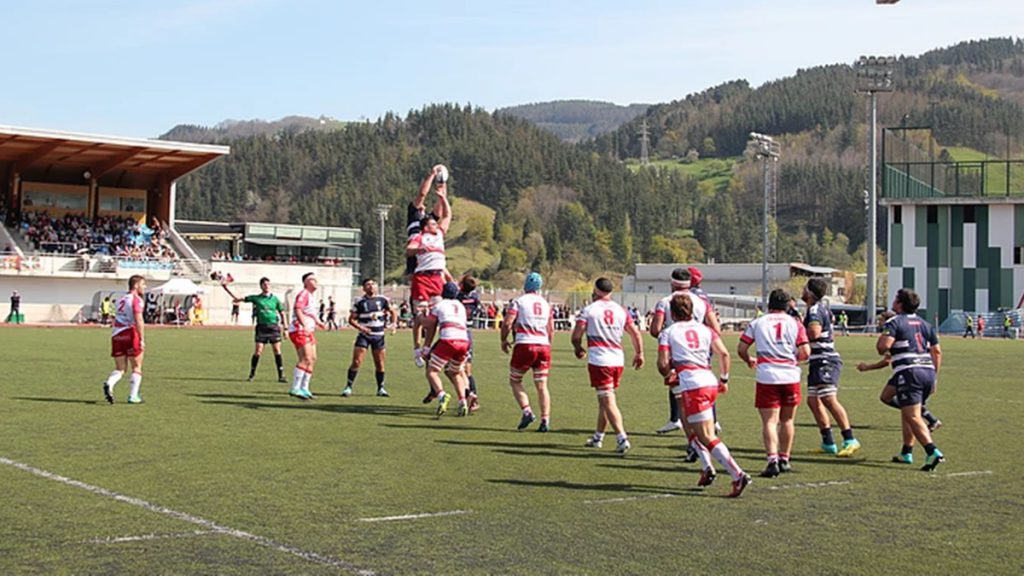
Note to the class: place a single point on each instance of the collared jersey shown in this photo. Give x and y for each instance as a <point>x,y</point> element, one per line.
<point>266,309</point>
<point>530,314</point>
<point>605,322</point>
<point>372,312</point>
<point>776,336</point>
<point>451,320</point>
<point>432,258</point>
<point>689,345</point>
<point>664,307</point>
<point>912,338</point>
<point>304,301</point>
<point>124,313</point>
<point>823,348</point>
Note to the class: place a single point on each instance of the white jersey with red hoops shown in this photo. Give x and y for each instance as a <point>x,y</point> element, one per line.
<point>125,309</point>
<point>451,320</point>
<point>689,345</point>
<point>432,257</point>
<point>776,336</point>
<point>530,314</point>
<point>605,322</point>
<point>304,301</point>
<point>664,307</point>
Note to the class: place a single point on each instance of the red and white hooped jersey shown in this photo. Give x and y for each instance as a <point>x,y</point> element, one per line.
<point>689,345</point>
<point>664,307</point>
<point>530,314</point>
<point>125,309</point>
<point>451,320</point>
<point>776,336</point>
<point>433,257</point>
<point>304,301</point>
<point>605,322</point>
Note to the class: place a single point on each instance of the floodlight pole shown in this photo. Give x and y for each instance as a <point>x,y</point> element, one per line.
<point>382,213</point>
<point>768,150</point>
<point>874,75</point>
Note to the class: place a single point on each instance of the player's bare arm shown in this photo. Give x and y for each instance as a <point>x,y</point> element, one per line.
<point>724,364</point>
<point>506,328</point>
<point>638,345</point>
<point>353,321</point>
<point>803,352</point>
<point>664,361</point>
<point>444,219</point>
<point>429,325</point>
<point>657,323</point>
<point>421,196</point>
<point>743,351</point>
<point>413,247</point>
<point>577,340</point>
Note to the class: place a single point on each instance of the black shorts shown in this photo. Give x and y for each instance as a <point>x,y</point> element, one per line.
<point>369,341</point>
<point>268,333</point>
<point>913,385</point>
<point>823,377</point>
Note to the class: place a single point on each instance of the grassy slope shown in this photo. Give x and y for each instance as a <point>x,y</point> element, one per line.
<point>247,456</point>
<point>995,176</point>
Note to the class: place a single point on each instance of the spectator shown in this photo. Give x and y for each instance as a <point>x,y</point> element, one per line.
<point>15,315</point>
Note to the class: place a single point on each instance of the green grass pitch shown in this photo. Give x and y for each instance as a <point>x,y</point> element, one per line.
<point>292,487</point>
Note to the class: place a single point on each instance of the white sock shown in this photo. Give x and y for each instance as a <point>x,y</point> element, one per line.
<point>702,454</point>
<point>297,378</point>
<point>723,456</point>
<point>599,436</point>
<point>114,378</point>
<point>305,381</point>
<point>621,437</point>
<point>136,382</point>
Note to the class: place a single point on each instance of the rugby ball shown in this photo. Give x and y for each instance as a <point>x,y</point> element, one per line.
<point>440,173</point>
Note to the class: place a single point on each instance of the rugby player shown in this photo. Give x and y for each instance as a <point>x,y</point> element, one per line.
<point>913,347</point>
<point>269,313</point>
<point>369,315</point>
<point>302,334</point>
<point>529,317</point>
<point>604,323</point>
<point>447,320</point>
<point>128,341</point>
<point>684,358</point>
<point>781,343</point>
<point>425,263</point>
<point>471,300</point>
<point>823,372</point>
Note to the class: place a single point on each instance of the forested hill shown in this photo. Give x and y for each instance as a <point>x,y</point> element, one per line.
<point>560,206</point>
<point>234,129</point>
<point>576,120</point>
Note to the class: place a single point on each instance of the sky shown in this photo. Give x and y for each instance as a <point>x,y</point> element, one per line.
<point>139,67</point>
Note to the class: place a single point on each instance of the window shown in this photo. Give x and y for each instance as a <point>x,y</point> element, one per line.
<point>933,214</point>
<point>897,214</point>
<point>969,215</point>
<point>1018,254</point>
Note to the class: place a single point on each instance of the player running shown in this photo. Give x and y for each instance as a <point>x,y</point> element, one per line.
<point>916,357</point>
<point>529,316</point>
<point>447,320</point>
<point>823,372</point>
<point>604,323</point>
<point>684,358</point>
<point>424,250</point>
<point>301,333</point>
<point>269,313</point>
<point>703,313</point>
<point>128,340</point>
<point>370,316</point>
<point>781,343</point>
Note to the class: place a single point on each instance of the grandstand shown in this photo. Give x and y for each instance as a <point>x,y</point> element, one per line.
<point>82,212</point>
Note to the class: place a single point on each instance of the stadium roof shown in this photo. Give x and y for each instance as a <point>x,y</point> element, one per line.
<point>35,149</point>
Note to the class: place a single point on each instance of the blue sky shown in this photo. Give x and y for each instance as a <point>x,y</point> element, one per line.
<point>137,68</point>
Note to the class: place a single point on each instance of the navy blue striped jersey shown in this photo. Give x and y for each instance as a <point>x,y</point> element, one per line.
<point>413,216</point>
<point>823,347</point>
<point>373,313</point>
<point>912,337</point>
<point>472,303</point>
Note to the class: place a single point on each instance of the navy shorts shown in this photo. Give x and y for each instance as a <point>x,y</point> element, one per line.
<point>370,341</point>
<point>823,378</point>
<point>913,385</point>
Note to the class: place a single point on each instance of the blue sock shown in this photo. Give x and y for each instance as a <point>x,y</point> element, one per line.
<point>380,379</point>
<point>673,405</point>
<point>472,384</point>
<point>848,434</point>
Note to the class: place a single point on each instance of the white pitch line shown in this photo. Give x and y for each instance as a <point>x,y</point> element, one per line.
<point>958,474</point>
<point>811,485</point>
<point>185,517</point>
<point>416,516</point>
<point>145,537</point>
<point>629,499</point>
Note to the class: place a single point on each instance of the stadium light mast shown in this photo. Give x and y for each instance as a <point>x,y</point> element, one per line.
<point>382,213</point>
<point>874,75</point>
<point>768,150</point>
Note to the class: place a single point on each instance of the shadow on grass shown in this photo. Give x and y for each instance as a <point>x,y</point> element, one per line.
<point>58,400</point>
<point>384,410</point>
<point>855,426</point>
<point>622,489</point>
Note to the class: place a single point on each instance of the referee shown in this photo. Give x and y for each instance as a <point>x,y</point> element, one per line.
<point>269,313</point>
